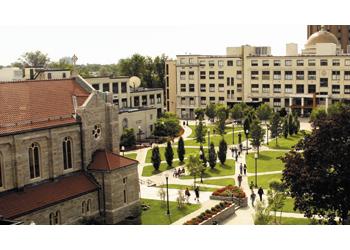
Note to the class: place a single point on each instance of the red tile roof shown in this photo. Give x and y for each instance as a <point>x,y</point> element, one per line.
<point>38,104</point>
<point>15,204</point>
<point>107,161</point>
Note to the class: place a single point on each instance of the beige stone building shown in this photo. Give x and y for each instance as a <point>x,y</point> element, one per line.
<point>139,107</point>
<point>59,155</point>
<point>317,76</point>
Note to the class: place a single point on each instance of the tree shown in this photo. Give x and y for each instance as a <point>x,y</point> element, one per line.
<point>212,156</point>
<point>237,112</point>
<point>257,134</point>
<point>275,126</point>
<point>285,127</point>
<point>262,214</point>
<point>296,123</point>
<point>291,127</point>
<point>167,125</point>
<point>264,113</point>
<point>181,149</point>
<point>221,114</point>
<point>199,113</point>
<point>317,170</point>
<point>276,197</point>
<point>194,167</point>
<point>210,111</point>
<point>128,138</point>
<point>222,151</point>
<point>156,160</point>
<point>200,132</point>
<point>283,112</point>
<point>34,59</point>
<point>246,126</point>
<point>169,154</point>
<point>317,114</point>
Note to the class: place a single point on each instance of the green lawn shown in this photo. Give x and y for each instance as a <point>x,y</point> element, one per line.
<point>156,215</point>
<point>220,182</point>
<point>288,206</point>
<point>266,162</point>
<point>295,221</point>
<point>219,170</point>
<point>149,170</point>
<point>285,143</point>
<point>212,127</point>
<point>264,180</point>
<point>216,139</point>
<point>162,151</point>
<point>183,187</point>
<point>131,156</point>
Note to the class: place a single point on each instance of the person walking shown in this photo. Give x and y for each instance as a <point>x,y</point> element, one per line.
<point>252,198</point>
<point>240,168</point>
<point>245,169</point>
<point>196,191</point>
<point>239,180</point>
<point>187,194</point>
<point>260,193</point>
<point>251,185</point>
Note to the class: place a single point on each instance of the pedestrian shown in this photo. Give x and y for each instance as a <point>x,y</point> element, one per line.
<point>240,147</point>
<point>240,168</point>
<point>184,123</point>
<point>174,173</point>
<point>187,194</point>
<point>252,198</point>
<point>245,169</point>
<point>236,156</point>
<point>232,152</point>
<point>251,186</point>
<point>183,170</point>
<point>260,193</point>
<point>196,191</point>
<point>187,123</point>
<point>239,138</point>
<point>239,180</point>
<point>239,153</point>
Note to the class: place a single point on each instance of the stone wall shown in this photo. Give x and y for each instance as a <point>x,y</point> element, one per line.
<point>221,216</point>
<point>242,202</point>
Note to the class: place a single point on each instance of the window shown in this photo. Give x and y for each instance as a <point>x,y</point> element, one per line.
<point>221,63</point>
<point>221,99</point>
<point>335,75</point>
<point>300,62</point>
<point>125,198</point>
<point>266,75</point>
<point>159,98</point>
<point>324,62</point>
<point>221,87</point>
<point>324,82</point>
<point>211,74</point>
<point>266,88</point>
<point>96,132</point>
<point>191,87</point>
<point>336,62</point>
<point>254,63</point>
<point>88,206</point>
<point>124,89</point>
<point>335,89</point>
<point>300,89</point>
<point>277,75</point>
<point>346,75</point>
<point>232,81</point>
<point>151,98</point>
<point>203,87</point>
<point>125,180</point>
<point>191,75</point>
<point>124,103</point>
<point>144,100</point>
<point>55,218</point>
<point>229,63</point>
<point>221,75</point>
<point>346,89</point>
<point>83,207</point>
<point>191,60</point>
<point>115,88</point>
<point>265,100</point>
<point>347,62</point>
<point>255,88</point>
<point>288,63</point>
<point>203,100</point>
<point>254,75</point>
<point>96,86</point>
<point>239,63</point>
<point>276,62</point>
<point>239,74</point>
<point>265,63</point>
<point>312,62</point>
<point>136,101</point>
<point>202,75</point>
<point>212,99</point>
<point>1,171</point>
<point>183,87</point>
<point>211,63</point>
<point>311,88</point>
<point>288,88</point>
<point>192,101</point>
<point>311,75</point>
<point>67,153</point>
<point>34,161</point>
<point>202,63</point>
<point>211,87</point>
<point>183,100</point>
<point>239,87</point>
<point>277,88</point>
<point>49,76</point>
<point>105,87</point>
<point>288,75</point>
<point>300,75</point>
<point>182,75</point>
<point>64,75</point>
<point>182,60</point>
<point>277,102</point>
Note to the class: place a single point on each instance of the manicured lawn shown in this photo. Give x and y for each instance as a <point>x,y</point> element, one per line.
<point>131,156</point>
<point>219,170</point>
<point>264,180</point>
<point>216,139</point>
<point>288,206</point>
<point>266,162</point>
<point>212,127</point>
<point>149,170</point>
<point>220,182</point>
<point>295,221</point>
<point>183,187</point>
<point>285,143</point>
<point>162,151</point>
<point>156,215</point>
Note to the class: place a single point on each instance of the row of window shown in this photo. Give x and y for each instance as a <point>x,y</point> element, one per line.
<point>203,87</point>
<point>300,89</point>
<point>144,100</point>
<point>203,100</point>
<point>211,63</point>
<point>211,75</point>
<point>106,87</point>
<point>299,75</point>
<point>299,62</point>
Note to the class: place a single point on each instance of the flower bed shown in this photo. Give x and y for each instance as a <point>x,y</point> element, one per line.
<point>231,193</point>
<point>218,213</point>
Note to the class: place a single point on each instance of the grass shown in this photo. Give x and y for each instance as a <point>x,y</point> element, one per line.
<point>216,139</point>
<point>220,182</point>
<point>212,127</point>
<point>285,143</point>
<point>131,156</point>
<point>219,170</point>
<point>266,162</point>
<point>183,187</point>
<point>149,170</point>
<point>264,180</point>
<point>288,206</point>
<point>295,221</point>
<point>156,215</point>
<point>162,151</point>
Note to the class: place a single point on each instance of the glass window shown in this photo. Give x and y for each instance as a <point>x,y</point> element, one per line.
<point>265,63</point>
<point>124,87</point>
<point>191,87</point>
<point>203,87</point>
<point>300,62</point>
<point>300,75</point>
<point>300,89</point>
<point>311,75</point>
<point>312,62</point>
<point>336,62</point>
<point>277,75</point>
<point>211,63</point>
<point>324,62</point>
<point>34,161</point>
<point>288,75</point>
<point>335,75</point>
<point>96,86</point>
<point>183,87</point>
<point>311,88</point>
<point>239,63</point>
<point>254,75</point>
<point>202,74</point>
<point>347,62</point>
<point>221,63</point>
<point>324,82</point>
<point>276,62</point>
<point>229,63</point>
<point>67,153</point>
<point>191,75</point>
<point>211,87</point>
<point>211,74</point>
<point>288,63</point>
<point>346,75</point>
<point>115,87</point>
<point>105,87</point>
<point>254,63</point>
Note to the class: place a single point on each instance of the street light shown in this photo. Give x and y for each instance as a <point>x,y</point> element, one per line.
<point>123,149</point>
<point>167,194</point>
<point>246,134</point>
<point>256,169</point>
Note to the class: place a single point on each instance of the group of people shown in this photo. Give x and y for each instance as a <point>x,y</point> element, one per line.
<point>178,172</point>
<point>253,195</point>
<point>188,194</point>
<point>236,152</point>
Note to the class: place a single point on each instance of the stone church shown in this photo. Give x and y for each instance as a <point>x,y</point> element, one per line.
<point>59,155</point>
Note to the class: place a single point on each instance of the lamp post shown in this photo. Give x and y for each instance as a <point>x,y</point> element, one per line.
<point>123,149</point>
<point>246,135</point>
<point>167,194</point>
<point>233,133</point>
<point>256,169</point>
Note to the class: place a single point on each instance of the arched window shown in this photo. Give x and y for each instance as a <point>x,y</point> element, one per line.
<point>34,160</point>
<point>125,123</point>
<point>88,206</point>
<point>52,219</point>
<point>67,153</point>
<point>58,218</point>
<point>1,172</point>
<point>83,205</point>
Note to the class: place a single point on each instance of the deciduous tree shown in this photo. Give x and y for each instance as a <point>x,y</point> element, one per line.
<point>275,126</point>
<point>257,134</point>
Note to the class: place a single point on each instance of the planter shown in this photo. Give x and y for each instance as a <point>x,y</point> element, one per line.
<point>221,216</point>
<point>241,202</point>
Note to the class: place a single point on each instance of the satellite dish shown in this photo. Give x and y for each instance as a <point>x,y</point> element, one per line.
<point>134,82</point>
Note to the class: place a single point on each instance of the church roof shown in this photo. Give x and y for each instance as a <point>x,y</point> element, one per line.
<point>27,105</point>
<point>322,36</point>
<point>108,161</point>
<point>18,203</point>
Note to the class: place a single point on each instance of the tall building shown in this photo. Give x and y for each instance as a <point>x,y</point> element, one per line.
<point>342,33</point>
<point>59,155</point>
<point>317,76</point>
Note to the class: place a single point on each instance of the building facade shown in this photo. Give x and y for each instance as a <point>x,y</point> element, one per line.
<point>318,76</point>
<point>139,107</point>
<point>59,155</point>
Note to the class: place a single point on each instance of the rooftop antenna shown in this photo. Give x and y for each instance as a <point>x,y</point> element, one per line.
<point>134,82</point>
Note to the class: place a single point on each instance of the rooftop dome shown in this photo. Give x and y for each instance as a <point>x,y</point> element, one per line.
<point>322,36</point>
